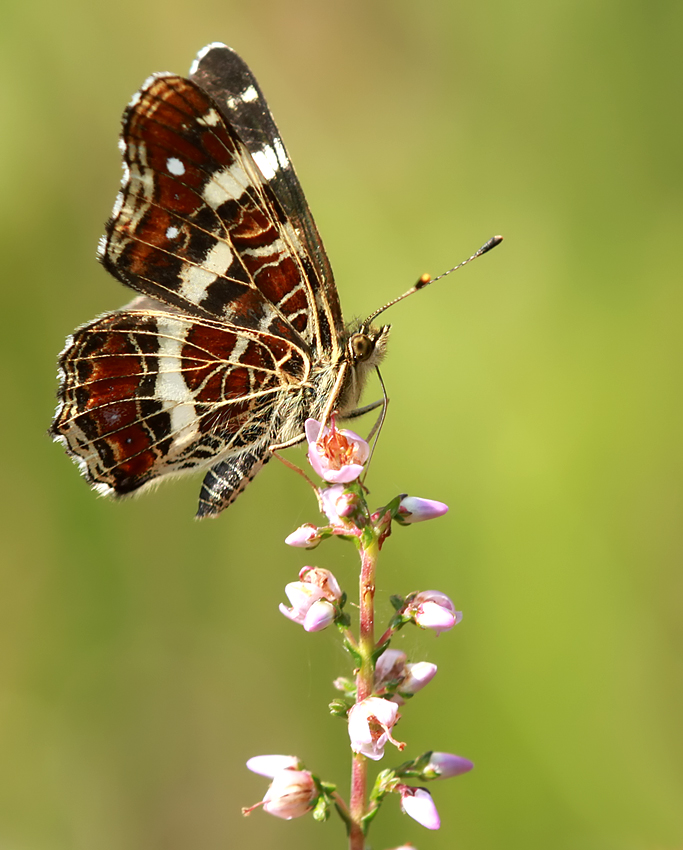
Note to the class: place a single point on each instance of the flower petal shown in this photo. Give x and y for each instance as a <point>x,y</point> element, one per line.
<point>270,765</point>
<point>418,803</point>
<point>319,616</point>
<point>413,509</point>
<point>305,537</point>
<point>446,765</point>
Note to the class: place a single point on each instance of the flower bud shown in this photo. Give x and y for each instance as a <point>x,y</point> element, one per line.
<point>445,766</point>
<point>305,537</point>
<point>370,725</point>
<point>418,675</point>
<point>433,610</point>
<point>413,509</point>
<point>418,803</point>
<point>336,455</point>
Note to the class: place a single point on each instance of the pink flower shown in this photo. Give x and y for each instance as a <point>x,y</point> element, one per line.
<point>335,455</point>
<point>293,791</point>
<point>291,794</point>
<point>433,610</point>
<point>312,599</point>
<point>413,509</point>
<point>418,803</point>
<point>370,725</point>
<point>445,766</point>
<point>305,537</point>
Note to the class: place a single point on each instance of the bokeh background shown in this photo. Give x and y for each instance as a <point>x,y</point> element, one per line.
<point>142,658</point>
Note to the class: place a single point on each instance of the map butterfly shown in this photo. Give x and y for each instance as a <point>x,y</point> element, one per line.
<point>236,336</point>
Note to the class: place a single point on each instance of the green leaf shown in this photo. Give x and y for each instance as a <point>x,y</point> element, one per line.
<point>339,708</point>
<point>321,812</point>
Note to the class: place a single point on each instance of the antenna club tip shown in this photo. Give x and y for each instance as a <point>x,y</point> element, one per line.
<point>493,241</point>
<point>423,281</point>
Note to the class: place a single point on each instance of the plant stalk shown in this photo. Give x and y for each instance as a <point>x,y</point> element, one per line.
<point>369,551</point>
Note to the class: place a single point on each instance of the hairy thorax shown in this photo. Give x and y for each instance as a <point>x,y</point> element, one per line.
<point>324,393</point>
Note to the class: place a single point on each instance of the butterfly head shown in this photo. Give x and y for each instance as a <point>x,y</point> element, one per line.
<point>367,345</point>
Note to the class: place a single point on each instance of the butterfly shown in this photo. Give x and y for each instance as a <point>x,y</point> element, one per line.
<point>236,335</point>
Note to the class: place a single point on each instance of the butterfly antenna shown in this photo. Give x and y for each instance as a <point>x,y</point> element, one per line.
<point>425,280</point>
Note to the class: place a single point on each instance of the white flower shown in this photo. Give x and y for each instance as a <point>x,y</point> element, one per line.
<point>292,793</point>
<point>312,599</point>
<point>370,725</point>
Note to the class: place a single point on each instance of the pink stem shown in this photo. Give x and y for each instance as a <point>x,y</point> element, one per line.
<point>369,550</point>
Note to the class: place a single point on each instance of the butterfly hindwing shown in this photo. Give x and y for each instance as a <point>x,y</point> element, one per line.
<point>153,393</point>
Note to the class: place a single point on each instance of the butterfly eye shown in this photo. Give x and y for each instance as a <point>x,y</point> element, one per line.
<point>361,346</point>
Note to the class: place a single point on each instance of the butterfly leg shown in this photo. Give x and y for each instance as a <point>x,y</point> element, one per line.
<point>225,481</point>
<point>361,411</point>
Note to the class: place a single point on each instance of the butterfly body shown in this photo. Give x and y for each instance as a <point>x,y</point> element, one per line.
<point>236,336</point>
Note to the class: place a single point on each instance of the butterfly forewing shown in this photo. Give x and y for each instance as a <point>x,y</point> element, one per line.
<point>195,226</point>
<point>222,73</point>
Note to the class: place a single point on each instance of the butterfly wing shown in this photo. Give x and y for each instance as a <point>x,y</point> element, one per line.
<point>197,226</point>
<point>226,77</point>
<point>237,299</point>
<point>156,392</point>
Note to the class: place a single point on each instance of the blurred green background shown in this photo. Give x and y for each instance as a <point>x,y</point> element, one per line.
<point>142,657</point>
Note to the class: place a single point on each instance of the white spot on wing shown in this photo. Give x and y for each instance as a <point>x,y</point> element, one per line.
<point>280,153</point>
<point>170,385</point>
<point>219,258</point>
<point>175,166</point>
<point>249,95</point>
<point>209,119</point>
<point>226,185</point>
<point>195,279</point>
<point>194,283</point>
<point>267,161</point>
<point>172,232</point>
